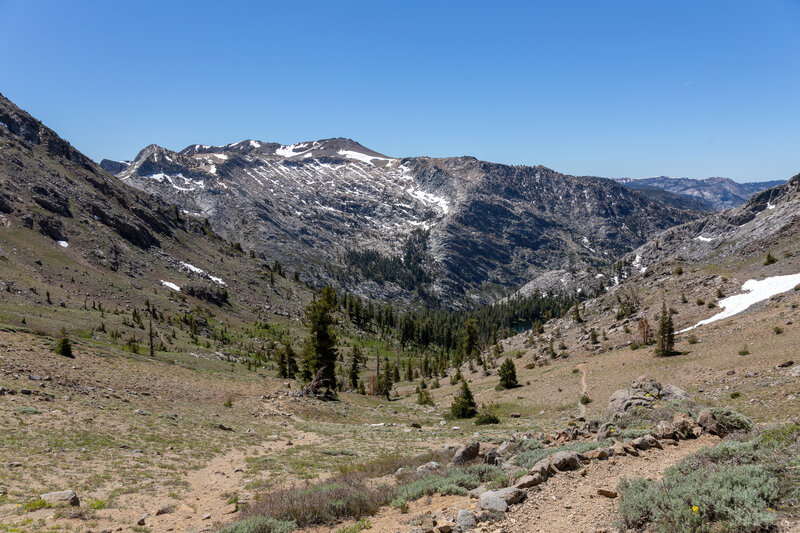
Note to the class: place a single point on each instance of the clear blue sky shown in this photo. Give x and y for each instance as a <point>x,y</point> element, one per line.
<point>607,88</point>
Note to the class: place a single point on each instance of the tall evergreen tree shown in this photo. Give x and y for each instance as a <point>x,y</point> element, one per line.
<point>463,405</point>
<point>666,332</point>
<point>508,375</point>
<point>320,348</point>
<point>291,361</point>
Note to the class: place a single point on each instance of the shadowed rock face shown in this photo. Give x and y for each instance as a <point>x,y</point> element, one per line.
<point>487,226</point>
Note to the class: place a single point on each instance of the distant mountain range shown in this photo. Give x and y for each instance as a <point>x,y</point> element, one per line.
<point>715,194</point>
<point>414,228</point>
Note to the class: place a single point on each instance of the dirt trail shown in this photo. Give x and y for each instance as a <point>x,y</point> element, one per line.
<point>566,503</point>
<point>569,502</point>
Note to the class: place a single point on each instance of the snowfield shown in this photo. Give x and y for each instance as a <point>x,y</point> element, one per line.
<point>170,285</point>
<point>754,291</point>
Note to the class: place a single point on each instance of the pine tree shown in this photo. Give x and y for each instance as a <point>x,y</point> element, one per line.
<point>354,370</point>
<point>508,375</point>
<point>282,372</point>
<point>666,332</point>
<point>291,362</point>
<point>64,346</point>
<point>463,405</point>
<point>320,348</point>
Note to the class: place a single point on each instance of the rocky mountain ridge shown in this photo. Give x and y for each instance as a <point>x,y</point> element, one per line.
<point>717,193</point>
<point>334,209</point>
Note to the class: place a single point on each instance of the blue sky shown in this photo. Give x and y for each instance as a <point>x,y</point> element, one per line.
<point>639,88</point>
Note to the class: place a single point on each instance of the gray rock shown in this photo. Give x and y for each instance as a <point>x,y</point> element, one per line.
<point>466,453</point>
<point>795,372</point>
<point>428,468</point>
<point>665,430</point>
<point>565,460</point>
<point>63,497</point>
<point>503,448</point>
<point>164,509</point>
<point>512,495</point>
<point>491,501</point>
<point>143,519</point>
<point>530,480</point>
<point>684,426</point>
<point>477,491</point>
<point>466,520</point>
<point>708,422</point>
<point>492,458</point>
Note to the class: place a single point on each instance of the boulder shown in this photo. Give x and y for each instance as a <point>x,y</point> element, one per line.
<point>466,453</point>
<point>619,448</point>
<point>599,453</point>
<point>466,520</point>
<point>606,431</point>
<point>491,501</point>
<point>542,468</point>
<point>684,426</point>
<point>665,430</point>
<point>643,392</point>
<point>503,448</point>
<point>641,443</point>
<point>62,497</point>
<point>565,460</point>
<point>492,458</point>
<point>512,495</point>
<point>708,422</point>
<point>530,480</point>
<point>427,468</point>
<point>673,394</point>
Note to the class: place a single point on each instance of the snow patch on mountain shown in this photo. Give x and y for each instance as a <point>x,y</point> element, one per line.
<point>755,291</point>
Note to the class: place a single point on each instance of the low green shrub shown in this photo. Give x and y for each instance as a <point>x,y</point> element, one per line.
<point>451,481</point>
<point>358,527</point>
<point>708,499</point>
<point>259,525</point>
<point>732,421</point>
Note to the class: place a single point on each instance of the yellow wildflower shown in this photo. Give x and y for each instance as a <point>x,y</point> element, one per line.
<point>695,509</point>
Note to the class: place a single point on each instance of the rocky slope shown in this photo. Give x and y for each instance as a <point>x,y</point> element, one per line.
<point>334,209</point>
<point>761,225</point>
<point>718,193</point>
<point>71,230</point>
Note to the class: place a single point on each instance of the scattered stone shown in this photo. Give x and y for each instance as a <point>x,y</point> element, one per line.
<point>444,528</point>
<point>514,415</point>
<point>598,453</point>
<point>511,495</point>
<point>466,453</point>
<point>795,371</point>
<point>665,430</point>
<point>62,497</point>
<point>143,519</point>
<point>503,448</point>
<point>684,425</point>
<point>428,467</point>
<point>492,458</point>
<point>565,461</point>
<point>164,509</point>
<point>466,520</point>
<point>786,364</point>
<point>415,425</point>
<point>223,427</point>
<point>708,422</point>
<point>206,516</point>
<point>491,501</point>
<point>607,493</point>
<point>530,480</point>
<point>477,491</point>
